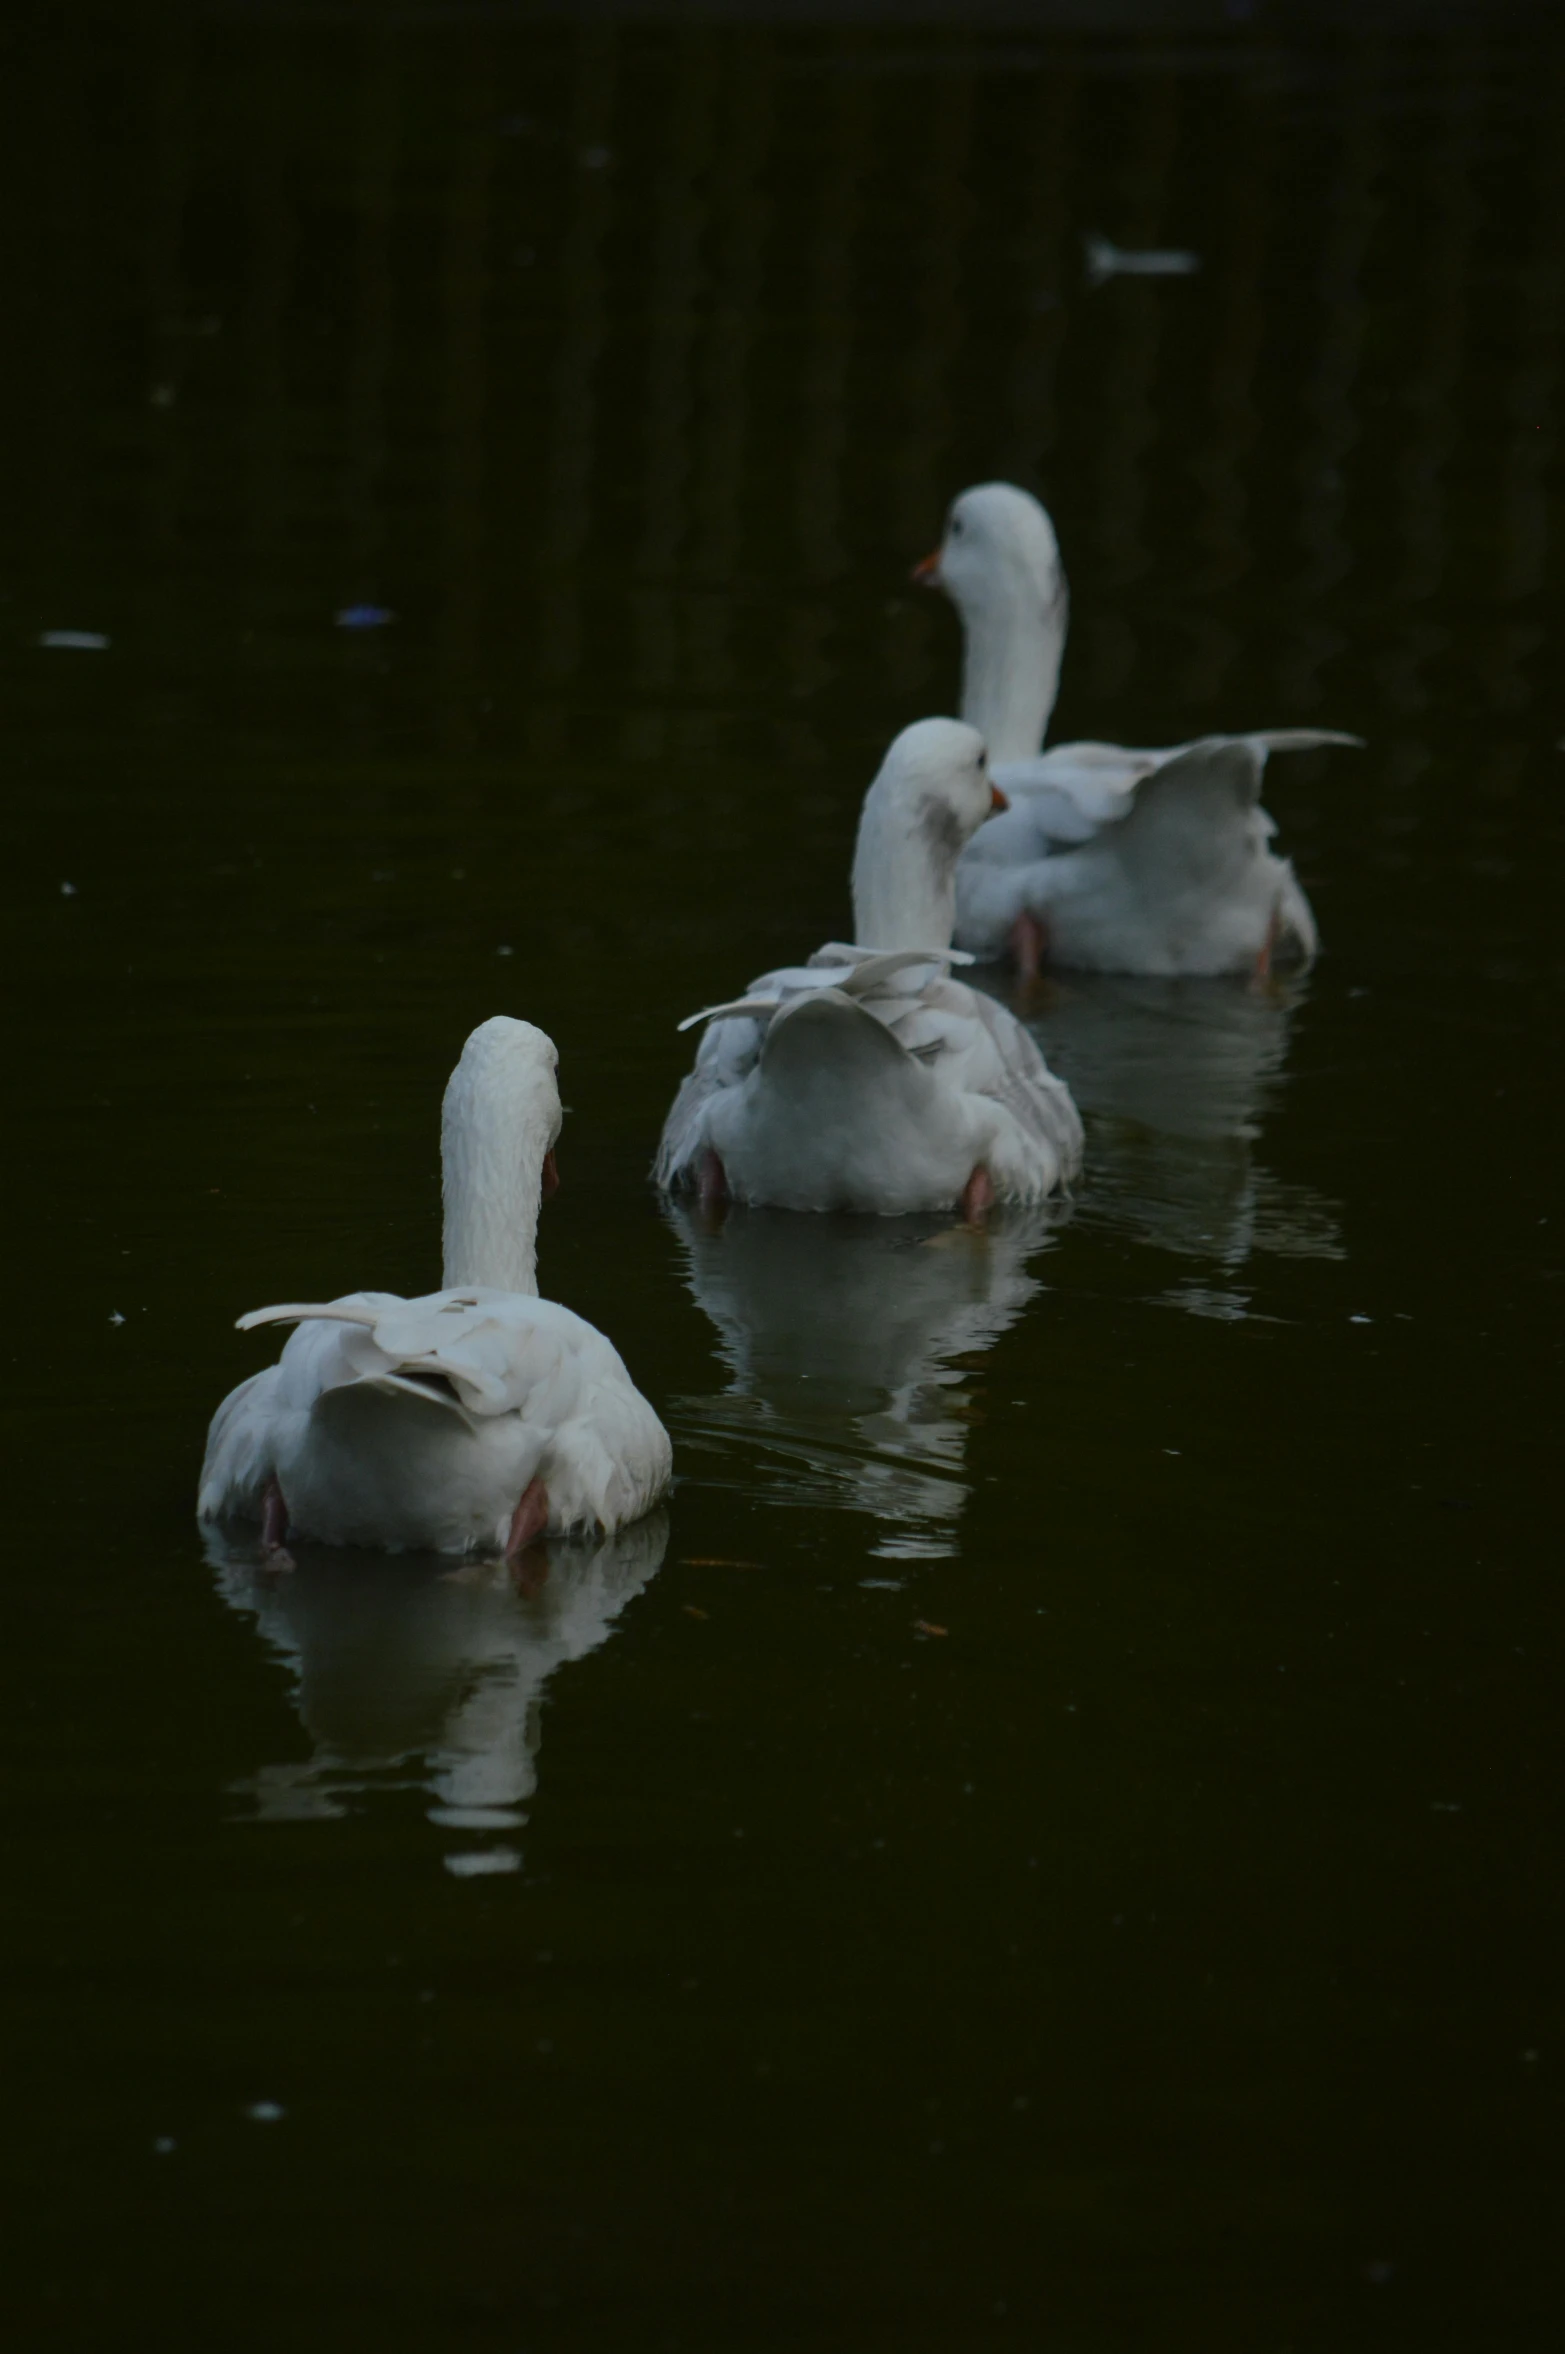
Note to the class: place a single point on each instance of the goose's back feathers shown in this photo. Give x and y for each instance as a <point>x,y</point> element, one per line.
<point>414,1424</point>
<point>869,1081</point>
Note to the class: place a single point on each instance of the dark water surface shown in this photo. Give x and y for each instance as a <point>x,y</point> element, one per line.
<point>1167,1952</point>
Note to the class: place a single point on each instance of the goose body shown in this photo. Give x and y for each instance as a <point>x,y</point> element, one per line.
<point>868,1078</point>
<point>1109,859</point>
<point>472,1417</point>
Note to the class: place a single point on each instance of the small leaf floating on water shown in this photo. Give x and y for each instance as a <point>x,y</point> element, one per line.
<point>691,1610</point>
<point>715,1561</point>
<point>926,1626</point>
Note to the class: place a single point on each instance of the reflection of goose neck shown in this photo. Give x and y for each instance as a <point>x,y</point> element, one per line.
<point>498,1121</point>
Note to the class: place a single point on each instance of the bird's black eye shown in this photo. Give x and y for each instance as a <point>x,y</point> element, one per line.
<point>956,527</point>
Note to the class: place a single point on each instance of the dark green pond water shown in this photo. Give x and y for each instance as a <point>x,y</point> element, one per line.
<point>1164,1953</point>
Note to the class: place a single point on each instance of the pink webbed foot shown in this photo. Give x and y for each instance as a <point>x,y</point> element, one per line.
<point>977,1197</point>
<point>712,1195</point>
<point>524,1557</point>
<point>274,1527</point>
<point>1029,941</point>
<point>1263,961</point>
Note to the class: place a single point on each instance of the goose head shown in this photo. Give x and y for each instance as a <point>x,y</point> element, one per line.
<point>930,797</point>
<point>999,563</point>
<point>498,1126</point>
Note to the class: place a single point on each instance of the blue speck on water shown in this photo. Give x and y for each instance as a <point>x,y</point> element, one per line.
<point>364,617</point>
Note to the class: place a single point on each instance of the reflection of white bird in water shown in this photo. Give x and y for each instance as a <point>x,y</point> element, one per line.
<point>850,1343</point>
<point>1106,860</point>
<point>1174,1078</point>
<point>405,1673</point>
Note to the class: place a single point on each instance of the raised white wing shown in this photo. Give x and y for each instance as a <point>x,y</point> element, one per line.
<point>1067,795</point>
<point>1141,861</point>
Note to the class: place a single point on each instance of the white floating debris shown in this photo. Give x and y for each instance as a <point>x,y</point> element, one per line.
<point>505,952</point>
<point>68,891</point>
<point>165,2145</point>
<point>475,1862</point>
<point>265,2112</point>
<point>79,641</point>
<point>115,1317</point>
<point>1106,260</point>
<point>1361,1319</point>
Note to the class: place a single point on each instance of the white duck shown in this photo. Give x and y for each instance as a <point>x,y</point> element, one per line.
<point>868,1079</point>
<point>475,1417</point>
<point>1110,860</point>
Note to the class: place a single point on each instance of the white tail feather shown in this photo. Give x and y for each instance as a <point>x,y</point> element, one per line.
<point>299,1312</point>
<point>731,1012</point>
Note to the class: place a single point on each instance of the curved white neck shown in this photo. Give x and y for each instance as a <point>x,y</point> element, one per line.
<point>904,875</point>
<point>1011,670</point>
<point>492,1153</point>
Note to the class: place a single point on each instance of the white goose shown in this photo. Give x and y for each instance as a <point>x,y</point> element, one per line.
<point>475,1417</point>
<point>868,1079</point>
<point>1109,860</point>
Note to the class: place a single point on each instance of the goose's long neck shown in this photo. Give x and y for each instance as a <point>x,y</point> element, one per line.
<point>1011,668</point>
<point>904,875</point>
<point>492,1155</point>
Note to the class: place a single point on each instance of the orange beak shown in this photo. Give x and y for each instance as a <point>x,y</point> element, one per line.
<point>551,1174</point>
<point>997,801</point>
<point>927,574</point>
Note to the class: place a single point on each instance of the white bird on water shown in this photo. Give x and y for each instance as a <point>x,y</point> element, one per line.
<point>868,1079</point>
<point>474,1418</point>
<point>1109,860</point>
